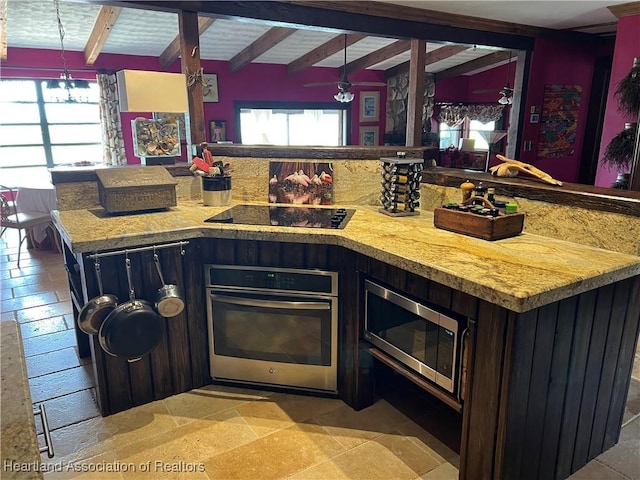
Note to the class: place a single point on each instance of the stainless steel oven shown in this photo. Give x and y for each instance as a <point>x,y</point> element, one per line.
<point>427,341</point>
<point>273,326</point>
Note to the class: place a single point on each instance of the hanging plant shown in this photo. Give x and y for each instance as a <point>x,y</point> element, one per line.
<point>628,90</point>
<point>619,152</point>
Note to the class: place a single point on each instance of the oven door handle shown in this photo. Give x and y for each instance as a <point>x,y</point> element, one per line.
<point>248,302</point>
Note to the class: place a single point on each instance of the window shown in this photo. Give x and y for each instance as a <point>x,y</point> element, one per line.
<point>467,129</point>
<point>475,129</point>
<point>39,128</point>
<point>449,135</point>
<point>292,124</point>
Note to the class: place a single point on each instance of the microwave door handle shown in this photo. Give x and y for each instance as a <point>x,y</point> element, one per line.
<point>247,302</point>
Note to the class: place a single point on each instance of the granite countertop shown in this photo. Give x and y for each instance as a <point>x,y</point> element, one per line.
<point>20,452</point>
<point>518,273</point>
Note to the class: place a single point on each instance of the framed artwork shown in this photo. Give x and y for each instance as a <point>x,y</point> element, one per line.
<point>210,88</point>
<point>369,136</point>
<point>218,131</point>
<point>369,106</point>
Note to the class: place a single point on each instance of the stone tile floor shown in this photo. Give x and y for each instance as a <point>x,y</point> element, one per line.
<point>220,432</point>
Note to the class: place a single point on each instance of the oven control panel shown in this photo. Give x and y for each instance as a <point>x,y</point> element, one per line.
<point>278,279</point>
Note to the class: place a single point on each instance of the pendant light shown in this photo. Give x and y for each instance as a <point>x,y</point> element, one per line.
<point>344,95</point>
<point>507,91</point>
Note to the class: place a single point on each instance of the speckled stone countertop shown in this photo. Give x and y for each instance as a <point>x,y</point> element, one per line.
<point>20,455</point>
<point>518,273</point>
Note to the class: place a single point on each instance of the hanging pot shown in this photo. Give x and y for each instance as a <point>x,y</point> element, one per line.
<point>169,301</point>
<point>133,328</point>
<point>94,312</point>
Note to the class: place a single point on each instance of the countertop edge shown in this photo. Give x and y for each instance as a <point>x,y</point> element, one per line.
<point>501,297</point>
<point>19,441</point>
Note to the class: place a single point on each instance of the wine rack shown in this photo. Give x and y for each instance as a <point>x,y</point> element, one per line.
<point>400,192</point>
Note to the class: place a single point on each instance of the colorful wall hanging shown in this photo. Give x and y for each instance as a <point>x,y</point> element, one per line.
<point>559,120</point>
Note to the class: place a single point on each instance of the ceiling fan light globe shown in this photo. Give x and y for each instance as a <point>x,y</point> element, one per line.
<point>344,97</point>
<point>504,100</point>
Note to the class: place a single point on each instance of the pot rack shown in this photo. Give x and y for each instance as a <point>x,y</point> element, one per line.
<point>127,251</point>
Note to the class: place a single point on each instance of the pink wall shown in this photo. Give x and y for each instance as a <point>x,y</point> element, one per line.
<point>552,63</point>
<point>453,90</point>
<point>555,63</point>
<point>460,89</point>
<point>626,49</point>
<point>255,82</point>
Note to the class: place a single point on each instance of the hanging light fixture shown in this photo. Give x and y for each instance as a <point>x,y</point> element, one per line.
<point>507,91</point>
<point>66,82</point>
<point>344,95</point>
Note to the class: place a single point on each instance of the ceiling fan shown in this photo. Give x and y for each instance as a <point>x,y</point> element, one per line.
<point>344,95</point>
<point>506,92</point>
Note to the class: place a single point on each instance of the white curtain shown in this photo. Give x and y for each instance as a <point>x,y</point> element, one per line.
<point>112,139</point>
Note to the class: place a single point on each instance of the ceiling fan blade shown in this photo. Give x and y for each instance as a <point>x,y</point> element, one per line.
<point>319,84</point>
<point>370,84</point>
<point>487,90</point>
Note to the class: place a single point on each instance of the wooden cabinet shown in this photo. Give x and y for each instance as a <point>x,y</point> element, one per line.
<point>545,389</point>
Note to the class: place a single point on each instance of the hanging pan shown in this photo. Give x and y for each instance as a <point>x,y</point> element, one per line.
<point>97,309</point>
<point>133,328</point>
<point>169,301</point>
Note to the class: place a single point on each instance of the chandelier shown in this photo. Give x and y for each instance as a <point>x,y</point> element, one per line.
<point>64,89</point>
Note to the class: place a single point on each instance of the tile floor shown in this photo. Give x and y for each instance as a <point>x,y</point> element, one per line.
<point>228,432</point>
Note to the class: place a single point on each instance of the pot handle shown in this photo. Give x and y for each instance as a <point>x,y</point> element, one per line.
<point>132,293</point>
<point>98,275</point>
<point>156,260</point>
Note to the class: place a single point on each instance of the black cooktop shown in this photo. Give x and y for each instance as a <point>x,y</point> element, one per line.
<point>285,216</point>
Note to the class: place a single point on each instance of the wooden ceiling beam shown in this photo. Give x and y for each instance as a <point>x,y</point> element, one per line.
<point>478,63</point>
<point>263,44</point>
<point>318,54</point>
<point>380,55</point>
<point>172,52</point>
<point>106,19</point>
<point>625,9</point>
<point>359,17</point>
<point>433,56</point>
<point>389,10</point>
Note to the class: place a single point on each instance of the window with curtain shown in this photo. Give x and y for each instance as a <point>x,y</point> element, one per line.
<point>41,127</point>
<point>468,121</point>
<point>292,124</point>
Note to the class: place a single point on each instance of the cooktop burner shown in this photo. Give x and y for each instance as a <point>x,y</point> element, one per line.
<point>289,216</point>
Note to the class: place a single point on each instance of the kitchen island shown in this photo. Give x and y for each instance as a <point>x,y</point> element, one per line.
<point>553,325</point>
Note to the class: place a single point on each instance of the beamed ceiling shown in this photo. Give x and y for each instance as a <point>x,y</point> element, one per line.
<point>300,34</point>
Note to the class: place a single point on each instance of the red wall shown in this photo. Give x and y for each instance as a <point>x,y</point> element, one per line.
<point>626,49</point>
<point>453,90</point>
<point>255,82</point>
<point>555,63</point>
<point>552,63</point>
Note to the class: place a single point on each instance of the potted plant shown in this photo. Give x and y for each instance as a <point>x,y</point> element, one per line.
<point>623,147</point>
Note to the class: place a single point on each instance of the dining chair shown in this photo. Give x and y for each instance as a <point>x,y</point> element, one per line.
<point>11,218</point>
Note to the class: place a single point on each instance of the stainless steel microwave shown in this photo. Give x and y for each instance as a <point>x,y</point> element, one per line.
<point>425,340</point>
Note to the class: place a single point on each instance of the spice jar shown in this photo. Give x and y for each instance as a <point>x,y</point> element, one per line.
<point>467,189</point>
<point>480,190</point>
